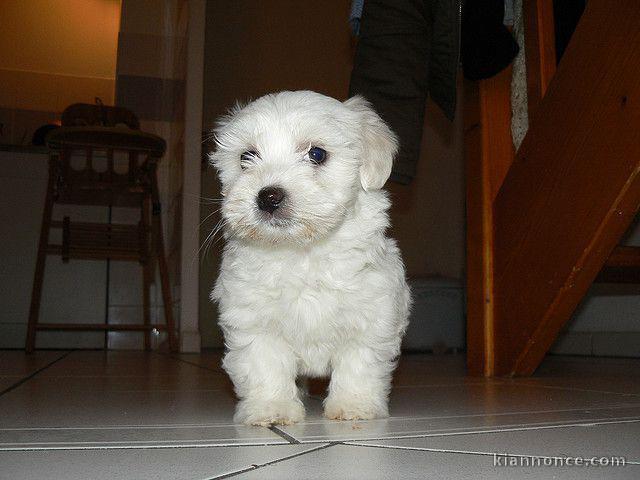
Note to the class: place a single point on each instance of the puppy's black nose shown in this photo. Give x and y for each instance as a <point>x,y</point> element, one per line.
<point>270,198</point>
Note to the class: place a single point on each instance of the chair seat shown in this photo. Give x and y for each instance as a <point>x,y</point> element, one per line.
<point>100,241</point>
<point>86,187</point>
<point>106,137</point>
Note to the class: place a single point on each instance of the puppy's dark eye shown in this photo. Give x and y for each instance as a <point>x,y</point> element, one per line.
<point>247,158</point>
<point>317,155</point>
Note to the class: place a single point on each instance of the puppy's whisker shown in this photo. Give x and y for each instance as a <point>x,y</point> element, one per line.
<point>203,200</point>
<point>213,240</point>
<point>207,241</point>
<point>201,197</point>
<point>208,137</point>
<point>217,210</point>
<point>197,254</point>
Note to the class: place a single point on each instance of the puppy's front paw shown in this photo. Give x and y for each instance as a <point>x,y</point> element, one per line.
<point>267,413</point>
<point>346,408</point>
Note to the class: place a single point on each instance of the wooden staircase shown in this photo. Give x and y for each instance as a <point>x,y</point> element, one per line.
<point>542,223</point>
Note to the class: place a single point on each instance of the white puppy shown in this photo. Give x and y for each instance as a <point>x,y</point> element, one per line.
<point>309,283</point>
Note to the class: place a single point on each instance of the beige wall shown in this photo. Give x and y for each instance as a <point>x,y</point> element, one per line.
<point>54,53</point>
<point>257,47</point>
<point>150,81</point>
<point>68,37</point>
<point>428,214</point>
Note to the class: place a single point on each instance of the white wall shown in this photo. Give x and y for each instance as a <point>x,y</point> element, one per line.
<point>608,320</point>
<point>72,293</point>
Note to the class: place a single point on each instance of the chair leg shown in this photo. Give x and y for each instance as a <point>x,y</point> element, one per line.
<point>146,273</point>
<point>164,283</point>
<point>38,276</point>
<point>146,280</point>
<point>158,248</point>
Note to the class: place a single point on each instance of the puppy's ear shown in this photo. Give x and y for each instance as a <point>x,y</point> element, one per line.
<point>222,135</point>
<point>380,144</point>
<point>222,130</point>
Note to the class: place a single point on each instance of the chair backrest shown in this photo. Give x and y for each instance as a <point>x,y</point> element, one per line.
<point>100,163</point>
<point>86,115</point>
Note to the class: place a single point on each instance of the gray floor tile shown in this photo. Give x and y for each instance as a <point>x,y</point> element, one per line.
<point>139,464</point>
<point>113,414</point>
<point>191,379</point>
<point>427,370</point>
<point>16,362</point>
<point>110,387</point>
<point>594,367</point>
<point>624,386</point>
<point>477,399</point>
<point>469,407</point>
<point>117,371</point>
<point>617,375</point>
<point>611,440</point>
<point>107,399</point>
<point>117,437</point>
<point>7,381</point>
<point>116,363</point>
<point>357,462</point>
<point>620,375</point>
<point>53,407</point>
<point>208,359</point>
<point>321,431</point>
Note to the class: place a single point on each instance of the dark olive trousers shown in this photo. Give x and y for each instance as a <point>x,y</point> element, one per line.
<point>407,50</point>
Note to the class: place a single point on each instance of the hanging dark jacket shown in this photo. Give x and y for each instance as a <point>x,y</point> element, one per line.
<point>410,49</point>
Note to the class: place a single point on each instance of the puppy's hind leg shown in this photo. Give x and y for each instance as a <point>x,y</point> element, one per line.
<point>263,371</point>
<point>360,384</point>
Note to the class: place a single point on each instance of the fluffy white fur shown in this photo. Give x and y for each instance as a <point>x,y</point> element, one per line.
<point>316,288</point>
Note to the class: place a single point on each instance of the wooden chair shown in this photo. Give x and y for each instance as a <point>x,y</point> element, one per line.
<point>98,132</point>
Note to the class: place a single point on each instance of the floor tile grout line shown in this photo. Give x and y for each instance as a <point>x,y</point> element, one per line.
<point>518,383</point>
<point>547,424</point>
<point>521,428</point>
<point>29,377</point>
<point>273,462</point>
<point>311,442</point>
<point>175,426</point>
<point>193,364</point>
<point>146,447</point>
<point>462,452</point>
<point>427,449</point>
<point>616,406</point>
<point>284,435</point>
<point>532,383</point>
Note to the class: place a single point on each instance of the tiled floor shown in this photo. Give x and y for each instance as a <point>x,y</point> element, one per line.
<point>133,415</point>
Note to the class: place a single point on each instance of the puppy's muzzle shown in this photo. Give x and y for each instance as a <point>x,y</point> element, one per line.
<point>270,198</point>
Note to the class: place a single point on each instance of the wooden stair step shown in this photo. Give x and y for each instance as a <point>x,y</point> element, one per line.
<point>622,266</point>
<point>572,191</point>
